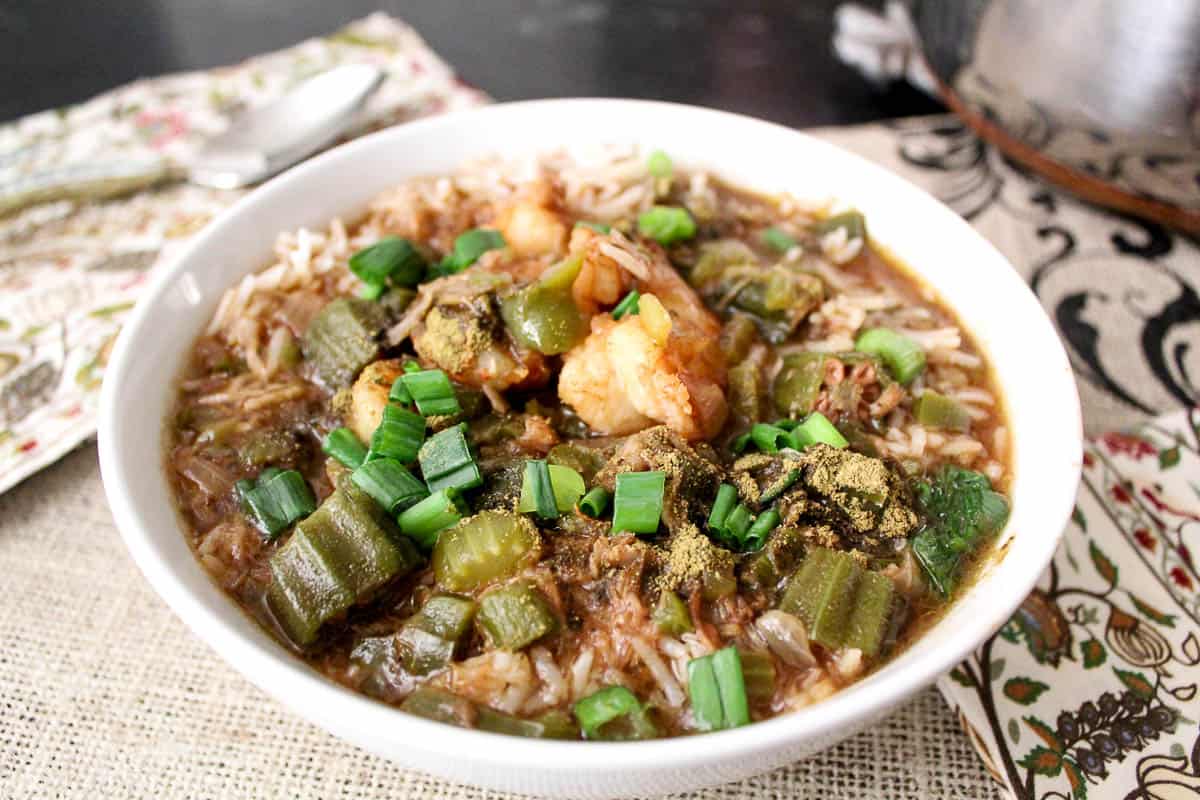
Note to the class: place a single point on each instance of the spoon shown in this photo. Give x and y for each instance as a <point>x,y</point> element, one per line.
<point>258,144</point>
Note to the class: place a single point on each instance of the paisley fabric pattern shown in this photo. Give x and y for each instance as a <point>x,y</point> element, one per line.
<point>70,271</point>
<point>1091,687</point>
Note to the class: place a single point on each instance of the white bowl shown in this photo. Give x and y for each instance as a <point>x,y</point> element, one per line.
<point>969,274</point>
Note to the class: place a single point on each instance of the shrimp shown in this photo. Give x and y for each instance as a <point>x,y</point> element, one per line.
<point>369,396</point>
<point>662,365</point>
<point>601,281</point>
<point>533,226</point>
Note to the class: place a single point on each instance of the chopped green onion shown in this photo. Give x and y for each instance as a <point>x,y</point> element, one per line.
<point>779,487</point>
<point>786,424</point>
<point>602,707</point>
<point>853,222</point>
<point>705,694</point>
<point>390,484</point>
<point>290,494</point>
<point>568,487</point>
<point>934,410</point>
<point>727,667</point>
<point>537,491</point>
<point>423,521</point>
<point>903,357</point>
<point>769,438</point>
<point>267,474</point>
<point>468,247</point>
<point>779,239</point>
<point>659,164</point>
<point>372,291</point>
<point>432,392</point>
<point>628,304</point>
<point>398,436</point>
<point>737,524</point>
<point>762,527</point>
<point>740,444</point>
<point>391,258</point>
<point>446,461</point>
<point>817,429</point>
<point>637,505</point>
<point>276,500</point>
<point>343,445</point>
<point>595,502</point>
<point>399,393</point>
<point>598,227</point>
<point>410,367</point>
<point>666,224</point>
<point>718,690</point>
<point>726,499</point>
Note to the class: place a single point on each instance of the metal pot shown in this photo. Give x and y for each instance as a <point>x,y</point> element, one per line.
<point>1101,96</point>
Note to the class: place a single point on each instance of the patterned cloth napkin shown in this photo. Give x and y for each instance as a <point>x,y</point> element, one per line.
<point>1088,691</point>
<point>1090,688</point>
<point>70,271</point>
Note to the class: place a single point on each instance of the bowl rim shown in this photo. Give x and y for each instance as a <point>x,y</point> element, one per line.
<point>287,678</point>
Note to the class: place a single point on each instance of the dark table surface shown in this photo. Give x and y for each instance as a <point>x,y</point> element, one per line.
<point>769,59</point>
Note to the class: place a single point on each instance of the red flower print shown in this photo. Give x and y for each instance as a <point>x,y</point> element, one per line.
<point>25,447</point>
<point>1154,500</point>
<point>1181,578</point>
<point>1145,539</point>
<point>1128,445</point>
<point>1089,460</point>
<point>1120,494</point>
<point>160,127</point>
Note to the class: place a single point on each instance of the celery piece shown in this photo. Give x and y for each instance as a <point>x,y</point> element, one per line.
<point>671,614</point>
<point>873,606</point>
<point>934,410</point>
<point>441,706</point>
<point>515,616</point>
<point>758,671</point>
<point>798,383</point>
<point>550,725</point>
<point>428,640</point>
<point>854,223</point>
<point>487,546</point>
<point>342,339</point>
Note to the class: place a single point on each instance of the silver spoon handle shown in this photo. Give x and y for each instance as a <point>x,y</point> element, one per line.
<point>86,182</point>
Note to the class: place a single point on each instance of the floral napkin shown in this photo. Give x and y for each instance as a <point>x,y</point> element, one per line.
<point>1090,689</point>
<point>70,271</point>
